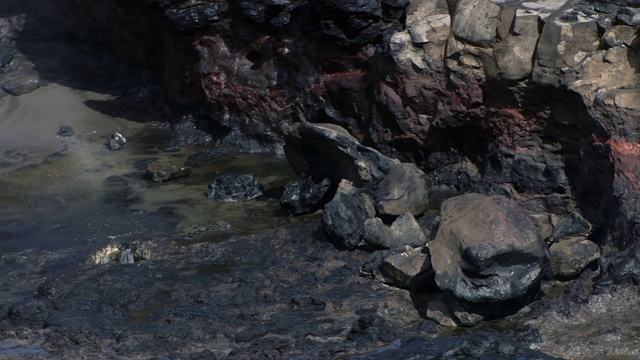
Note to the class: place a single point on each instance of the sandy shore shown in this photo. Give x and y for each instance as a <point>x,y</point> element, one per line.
<point>29,125</point>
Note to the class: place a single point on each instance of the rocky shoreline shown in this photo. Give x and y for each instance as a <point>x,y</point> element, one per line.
<point>465,185</point>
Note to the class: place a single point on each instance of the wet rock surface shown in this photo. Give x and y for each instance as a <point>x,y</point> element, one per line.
<point>535,102</point>
<point>242,187</point>
<point>195,299</point>
<point>304,196</point>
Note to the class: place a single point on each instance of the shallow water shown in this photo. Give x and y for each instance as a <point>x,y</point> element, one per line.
<point>89,194</point>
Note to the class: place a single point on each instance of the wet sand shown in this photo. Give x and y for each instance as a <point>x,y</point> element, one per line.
<point>29,124</point>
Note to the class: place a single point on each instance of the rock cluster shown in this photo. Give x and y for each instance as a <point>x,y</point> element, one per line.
<point>484,250</point>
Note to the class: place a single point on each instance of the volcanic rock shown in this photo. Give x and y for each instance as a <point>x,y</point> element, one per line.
<point>327,150</point>
<point>486,249</point>
<point>303,196</point>
<point>344,216</point>
<point>405,231</point>
<point>117,141</point>
<point>185,133</point>
<point>234,188</point>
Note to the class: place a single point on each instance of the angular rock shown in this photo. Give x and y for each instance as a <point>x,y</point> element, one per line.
<point>403,189</point>
<point>327,150</point>
<point>626,270</point>
<point>161,170</point>
<point>303,196</point>
<point>486,249</point>
<point>572,225</point>
<point>570,256</point>
<point>475,21</point>
<point>234,188</point>
<point>405,231</point>
<point>117,141</point>
<point>410,270</point>
<point>344,216</point>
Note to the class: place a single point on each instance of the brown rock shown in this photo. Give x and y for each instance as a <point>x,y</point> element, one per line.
<point>486,249</point>
<point>572,255</point>
<point>409,270</point>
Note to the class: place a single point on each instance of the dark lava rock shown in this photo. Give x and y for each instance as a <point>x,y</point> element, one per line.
<point>486,249</point>
<point>66,130</point>
<point>625,271</point>
<point>405,231</point>
<point>345,214</point>
<point>184,134</point>
<point>303,196</point>
<point>117,141</point>
<point>235,188</point>
<point>32,312</point>
<point>533,172</point>
<point>7,51</point>
<point>161,170</point>
<point>196,16</point>
<point>481,345</point>
<point>373,328</point>
<point>573,225</point>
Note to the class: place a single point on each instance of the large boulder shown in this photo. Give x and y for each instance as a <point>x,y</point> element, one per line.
<point>327,150</point>
<point>486,249</point>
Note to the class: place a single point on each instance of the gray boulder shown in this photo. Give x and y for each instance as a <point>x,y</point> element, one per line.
<point>344,216</point>
<point>235,188</point>
<point>329,151</point>
<point>486,249</point>
<point>405,231</point>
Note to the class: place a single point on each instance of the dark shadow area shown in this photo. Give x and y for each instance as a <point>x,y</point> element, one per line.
<point>59,50</point>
